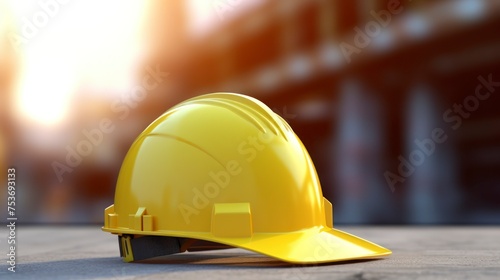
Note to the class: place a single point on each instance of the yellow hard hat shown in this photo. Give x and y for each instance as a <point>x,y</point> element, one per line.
<point>223,170</point>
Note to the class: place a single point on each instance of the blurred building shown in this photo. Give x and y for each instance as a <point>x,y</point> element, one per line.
<point>362,83</point>
<point>358,109</point>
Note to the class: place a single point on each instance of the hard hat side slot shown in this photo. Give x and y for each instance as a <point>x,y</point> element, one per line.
<point>328,208</point>
<point>232,220</point>
<point>110,218</point>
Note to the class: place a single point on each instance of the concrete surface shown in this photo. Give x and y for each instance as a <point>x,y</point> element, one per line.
<point>418,253</point>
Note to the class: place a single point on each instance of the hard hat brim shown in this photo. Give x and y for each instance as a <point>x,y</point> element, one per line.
<point>315,245</point>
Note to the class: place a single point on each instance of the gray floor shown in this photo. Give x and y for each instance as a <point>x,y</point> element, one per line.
<point>418,253</point>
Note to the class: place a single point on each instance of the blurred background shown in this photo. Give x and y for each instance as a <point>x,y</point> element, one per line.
<point>362,83</point>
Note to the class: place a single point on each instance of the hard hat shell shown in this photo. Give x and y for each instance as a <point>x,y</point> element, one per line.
<point>225,168</point>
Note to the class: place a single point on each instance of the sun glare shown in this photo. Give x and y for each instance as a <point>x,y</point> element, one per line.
<point>70,45</point>
<point>44,98</point>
